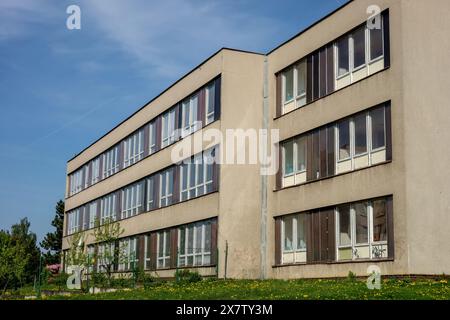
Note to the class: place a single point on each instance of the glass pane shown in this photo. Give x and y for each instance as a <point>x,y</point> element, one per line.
<point>301,154</point>
<point>211,92</point>
<point>379,220</point>
<point>376,43</point>
<point>378,138</point>
<point>198,238</point>
<point>288,237</point>
<point>301,78</point>
<point>342,51</point>
<point>360,134</point>
<point>301,237</point>
<point>208,237</point>
<point>190,239</point>
<point>288,157</point>
<point>160,244</point>
<point>289,84</point>
<point>344,139</point>
<point>361,222</point>
<point>345,237</point>
<point>359,47</point>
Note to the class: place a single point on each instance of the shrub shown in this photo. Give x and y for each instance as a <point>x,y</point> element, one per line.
<point>187,276</point>
<point>99,279</point>
<point>59,280</point>
<point>351,276</point>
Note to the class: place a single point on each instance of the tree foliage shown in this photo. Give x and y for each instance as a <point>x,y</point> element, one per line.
<point>52,241</point>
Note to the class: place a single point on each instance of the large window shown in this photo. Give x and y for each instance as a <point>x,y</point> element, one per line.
<point>132,197</point>
<point>108,208</point>
<point>197,175</point>
<point>128,257</point>
<point>362,230</point>
<point>152,137</point>
<point>163,249</point>
<point>95,177</point>
<point>133,148</point>
<point>105,256</point>
<point>76,182</point>
<point>361,140</point>
<point>194,244</point>
<point>73,221</point>
<point>189,115</point>
<point>294,238</point>
<point>210,103</point>
<point>294,86</point>
<point>168,128</point>
<point>92,208</point>
<point>151,201</point>
<point>343,61</point>
<point>111,162</point>
<point>294,161</point>
<point>166,187</point>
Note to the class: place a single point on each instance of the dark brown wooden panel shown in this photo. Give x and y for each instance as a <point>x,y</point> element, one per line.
<point>309,79</point>
<point>386,40</point>
<point>330,68</point>
<point>279,95</point>
<point>214,228</point>
<point>278,243</point>
<point>331,151</point>
<point>387,115</point>
<point>323,152</point>
<point>173,247</point>
<point>390,226</point>
<point>217,97</point>
<point>322,72</point>
<point>153,251</point>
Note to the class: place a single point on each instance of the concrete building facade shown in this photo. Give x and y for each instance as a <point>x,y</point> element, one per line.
<point>361,107</point>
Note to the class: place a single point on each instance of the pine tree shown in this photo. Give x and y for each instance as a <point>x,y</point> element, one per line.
<point>52,241</point>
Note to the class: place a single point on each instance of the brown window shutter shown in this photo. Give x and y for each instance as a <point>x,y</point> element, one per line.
<point>387,115</point>
<point>83,177</point>
<point>386,42</point>
<point>121,153</point>
<point>217,97</point>
<point>98,214</point>
<point>173,247</point>
<point>323,152</point>
<point>214,242</point>
<point>331,236</point>
<point>316,76</point>
<point>278,241</point>
<point>118,205</point>
<point>156,183</point>
<point>143,196</point>
<point>100,168</point>
<point>176,184</point>
<point>216,169</point>
<point>315,155</point>
<point>390,226</point>
<point>158,129</point>
<point>141,251</point>
<point>309,79</point>
<point>279,95</point>
<point>330,150</point>
<point>146,141</point>
<point>322,72</point>
<point>116,255</point>
<point>279,175</point>
<point>309,239</point>
<point>309,157</point>
<point>201,107</point>
<point>330,68</point>
<point>153,250</point>
<point>80,218</point>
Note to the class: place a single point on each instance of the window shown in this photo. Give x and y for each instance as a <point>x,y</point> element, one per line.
<point>163,251</point>
<point>76,182</point>
<point>108,208</point>
<point>294,238</point>
<point>73,221</point>
<point>189,115</point>
<point>210,103</point>
<point>294,161</point>
<point>360,134</point>
<point>197,175</point>
<point>288,85</point>
<point>92,208</point>
<point>194,243</point>
<point>294,86</point>
<point>133,148</point>
<point>166,187</point>
<point>111,162</point>
<point>85,212</point>
<point>131,200</point>
<point>147,252</point>
<point>168,128</point>
<point>361,230</point>
<point>301,82</point>
<point>342,56</point>
<point>90,258</point>
<point>105,256</point>
<point>86,176</point>
<point>359,47</point>
<point>152,137</point>
<point>376,43</point>
<point>95,170</point>
<point>288,150</point>
<point>344,139</point>
<point>128,254</point>
<point>378,128</point>
<point>151,203</point>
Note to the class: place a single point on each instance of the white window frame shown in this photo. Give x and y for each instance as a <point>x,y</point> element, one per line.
<point>164,258</point>
<point>73,221</point>
<point>209,115</point>
<point>133,148</point>
<point>131,200</point>
<point>86,175</point>
<point>128,247</point>
<point>353,245</point>
<point>152,137</point>
<point>92,207</point>
<point>100,260</point>
<point>165,198</point>
<point>168,128</point>
<point>198,254</point>
<point>76,180</point>
<point>295,164</point>
<point>108,208</point>
<point>147,257</point>
<point>200,162</point>
<point>294,249</point>
<point>190,109</point>
<point>110,162</point>
<point>95,177</point>
<point>150,200</point>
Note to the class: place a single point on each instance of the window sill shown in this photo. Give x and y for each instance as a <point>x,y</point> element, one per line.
<point>331,177</point>
<point>331,93</point>
<point>333,262</point>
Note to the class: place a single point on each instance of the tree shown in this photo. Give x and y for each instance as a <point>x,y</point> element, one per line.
<point>53,240</point>
<point>13,260</point>
<point>21,236</point>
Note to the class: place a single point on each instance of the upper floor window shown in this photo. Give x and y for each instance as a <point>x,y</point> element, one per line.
<point>133,148</point>
<point>73,219</point>
<point>132,197</point>
<point>166,187</point>
<point>197,175</point>
<point>168,128</point>
<point>108,208</point>
<point>86,173</point>
<point>194,243</point>
<point>92,209</point>
<point>163,249</point>
<point>294,161</point>
<point>95,168</point>
<point>152,137</point>
<point>111,162</point>
<point>76,182</point>
<point>294,238</point>
<point>210,103</point>
<point>189,115</point>
<point>294,86</point>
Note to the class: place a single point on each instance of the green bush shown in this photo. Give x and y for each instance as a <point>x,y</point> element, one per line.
<point>99,280</point>
<point>59,280</point>
<point>187,276</point>
<point>351,276</point>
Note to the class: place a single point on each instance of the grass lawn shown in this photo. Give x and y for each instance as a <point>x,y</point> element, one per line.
<point>282,289</point>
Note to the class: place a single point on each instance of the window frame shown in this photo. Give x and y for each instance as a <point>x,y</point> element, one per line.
<point>133,148</point>
<point>168,123</point>
<point>167,196</point>
<point>188,108</point>
<point>208,89</point>
<point>295,85</point>
<point>295,248</point>
<point>295,148</point>
<point>111,162</point>
<point>195,253</point>
<point>165,257</point>
<point>131,200</point>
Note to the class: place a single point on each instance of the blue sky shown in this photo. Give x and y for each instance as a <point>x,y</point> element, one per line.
<point>61,89</point>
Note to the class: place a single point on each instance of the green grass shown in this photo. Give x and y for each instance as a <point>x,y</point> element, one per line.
<point>283,289</point>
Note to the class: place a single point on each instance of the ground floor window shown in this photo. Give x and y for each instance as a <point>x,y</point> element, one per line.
<point>128,256</point>
<point>163,249</point>
<point>294,239</point>
<point>194,244</point>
